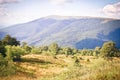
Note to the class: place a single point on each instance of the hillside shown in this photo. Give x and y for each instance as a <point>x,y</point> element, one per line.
<point>79,32</point>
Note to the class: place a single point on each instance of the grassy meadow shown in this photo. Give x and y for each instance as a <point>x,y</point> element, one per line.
<point>23,62</point>
<point>43,67</point>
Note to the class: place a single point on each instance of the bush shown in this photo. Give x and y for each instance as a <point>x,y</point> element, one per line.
<point>14,52</point>
<point>53,48</point>
<point>6,67</point>
<point>36,51</point>
<point>67,51</point>
<point>8,40</point>
<point>2,50</point>
<point>108,49</point>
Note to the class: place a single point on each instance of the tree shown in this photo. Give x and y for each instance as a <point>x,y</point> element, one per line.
<point>108,49</point>
<point>8,40</point>
<point>6,67</point>
<point>26,47</point>
<point>14,52</point>
<point>67,51</point>
<point>44,48</point>
<point>84,52</point>
<point>96,51</point>
<point>54,48</point>
<point>24,44</point>
<point>2,49</point>
<point>74,51</point>
<point>36,50</point>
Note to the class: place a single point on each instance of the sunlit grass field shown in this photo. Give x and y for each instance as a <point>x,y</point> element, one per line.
<point>61,67</point>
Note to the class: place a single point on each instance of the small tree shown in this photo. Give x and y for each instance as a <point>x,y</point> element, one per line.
<point>26,47</point>
<point>84,52</point>
<point>36,50</point>
<point>9,53</point>
<point>74,51</point>
<point>44,48</point>
<point>53,48</point>
<point>8,40</point>
<point>2,49</point>
<point>67,51</point>
<point>14,52</point>
<point>96,51</point>
<point>108,49</point>
<point>6,66</point>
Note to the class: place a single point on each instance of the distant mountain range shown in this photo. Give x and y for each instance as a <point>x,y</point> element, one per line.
<point>78,32</point>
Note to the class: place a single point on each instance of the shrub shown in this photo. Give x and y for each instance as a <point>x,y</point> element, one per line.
<point>6,67</point>
<point>2,50</point>
<point>53,48</point>
<point>36,50</point>
<point>67,51</point>
<point>108,49</point>
<point>14,52</point>
<point>8,40</point>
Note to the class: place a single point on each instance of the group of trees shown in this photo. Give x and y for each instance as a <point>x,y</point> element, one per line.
<point>10,47</point>
<point>11,50</point>
<point>6,53</point>
<point>7,40</point>
<point>107,50</point>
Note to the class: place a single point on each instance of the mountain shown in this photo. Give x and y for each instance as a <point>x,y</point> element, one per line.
<point>73,31</point>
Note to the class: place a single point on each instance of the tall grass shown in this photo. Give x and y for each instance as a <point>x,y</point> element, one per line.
<point>42,67</point>
<point>99,69</point>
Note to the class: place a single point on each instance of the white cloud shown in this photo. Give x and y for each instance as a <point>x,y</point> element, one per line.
<point>112,10</point>
<point>4,12</point>
<point>2,6</point>
<point>7,1</point>
<point>61,1</point>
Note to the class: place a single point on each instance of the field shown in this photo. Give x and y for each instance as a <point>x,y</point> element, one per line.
<point>61,67</point>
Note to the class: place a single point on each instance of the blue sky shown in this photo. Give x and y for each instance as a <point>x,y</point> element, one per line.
<point>21,11</point>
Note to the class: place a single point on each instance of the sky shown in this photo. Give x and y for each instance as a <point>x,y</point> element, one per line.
<point>21,11</point>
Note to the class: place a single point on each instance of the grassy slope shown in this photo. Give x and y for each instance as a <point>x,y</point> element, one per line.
<point>41,67</point>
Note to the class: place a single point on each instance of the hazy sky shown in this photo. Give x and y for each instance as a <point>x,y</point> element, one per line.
<point>20,11</point>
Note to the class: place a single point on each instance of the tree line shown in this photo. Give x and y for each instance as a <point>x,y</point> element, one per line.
<point>11,46</point>
<point>11,50</point>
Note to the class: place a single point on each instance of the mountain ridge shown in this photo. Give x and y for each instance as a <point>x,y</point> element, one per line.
<point>50,29</point>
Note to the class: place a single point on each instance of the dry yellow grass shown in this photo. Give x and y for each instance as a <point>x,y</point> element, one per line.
<point>37,67</point>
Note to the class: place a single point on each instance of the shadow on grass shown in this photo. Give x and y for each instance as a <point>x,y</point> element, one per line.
<point>34,60</point>
<point>24,71</point>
